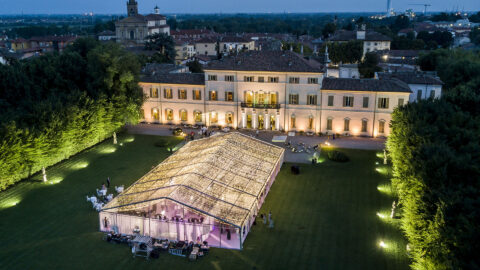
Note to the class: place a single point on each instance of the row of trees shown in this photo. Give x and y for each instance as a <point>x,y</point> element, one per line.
<point>55,106</point>
<point>435,151</point>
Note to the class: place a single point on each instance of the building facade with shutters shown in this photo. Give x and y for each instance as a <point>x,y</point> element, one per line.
<point>273,91</point>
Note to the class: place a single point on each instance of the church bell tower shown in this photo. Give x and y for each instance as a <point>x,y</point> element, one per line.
<point>132,8</point>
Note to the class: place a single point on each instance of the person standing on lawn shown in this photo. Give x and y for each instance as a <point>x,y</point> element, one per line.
<point>108,182</point>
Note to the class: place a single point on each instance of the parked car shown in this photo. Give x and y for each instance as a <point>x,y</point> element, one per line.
<point>178,132</point>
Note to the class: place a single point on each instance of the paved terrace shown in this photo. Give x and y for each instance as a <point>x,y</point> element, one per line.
<point>343,142</point>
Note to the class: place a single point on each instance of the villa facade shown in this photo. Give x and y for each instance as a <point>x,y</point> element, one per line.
<point>275,90</point>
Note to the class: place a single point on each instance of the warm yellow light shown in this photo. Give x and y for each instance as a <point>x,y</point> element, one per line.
<point>9,203</point>
<point>380,215</point>
<point>382,244</point>
<point>108,150</point>
<point>80,165</point>
<point>131,139</point>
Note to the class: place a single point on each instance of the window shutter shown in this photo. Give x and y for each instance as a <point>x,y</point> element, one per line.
<point>351,102</point>
<point>178,92</point>
<point>344,101</point>
<point>387,99</point>
<point>151,92</point>
<point>200,94</point>
<point>164,93</point>
<point>210,95</point>
<point>193,94</point>
<point>379,103</point>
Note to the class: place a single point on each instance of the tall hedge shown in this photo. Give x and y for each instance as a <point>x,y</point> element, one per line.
<point>55,106</point>
<point>435,151</point>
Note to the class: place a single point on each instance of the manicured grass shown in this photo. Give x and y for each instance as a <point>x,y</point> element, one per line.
<point>325,218</point>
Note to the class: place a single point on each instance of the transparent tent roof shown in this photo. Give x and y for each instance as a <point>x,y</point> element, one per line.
<point>221,176</point>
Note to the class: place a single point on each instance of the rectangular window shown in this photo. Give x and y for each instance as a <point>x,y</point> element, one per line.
<point>273,79</point>
<point>248,78</point>
<point>432,94</point>
<point>273,98</point>
<point>293,99</point>
<point>294,80</point>
<point>169,114</point>
<point>228,96</point>
<point>168,93</point>
<point>197,95</point>
<point>400,101</point>
<point>313,80</point>
<point>329,124</point>
<point>346,125</point>
<point>154,92</point>
<point>229,78</point>
<point>197,116</point>
<point>330,101</point>
<point>229,118</point>
<point>213,95</point>
<point>364,125</point>
<point>381,127</point>
<point>347,101</point>
<point>212,77</point>
<point>419,94</point>
<point>183,116</point>
<point>182,94</point>
<point>383,103</point>
<point>311,99</point>
<point>365,102</point>
<point>261,79</point>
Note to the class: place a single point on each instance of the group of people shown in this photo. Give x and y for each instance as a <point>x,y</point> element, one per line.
<point>269,218</point>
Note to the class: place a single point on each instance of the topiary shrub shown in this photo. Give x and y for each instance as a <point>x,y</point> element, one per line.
<point>337,156</point>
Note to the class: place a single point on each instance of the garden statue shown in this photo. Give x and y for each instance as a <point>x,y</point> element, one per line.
<point>44,173</point>
<point>394,205</point>
<point>114,138</point>
<point>384,156</point>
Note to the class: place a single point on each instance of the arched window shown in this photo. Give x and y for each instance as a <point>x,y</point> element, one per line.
<point>329,123</point>
<point>132,35</point>
<point>292,121</point>
<point>229,118</point>
<point>197,116</point>
<point>310,122</point>
<point>381,126</point>
<point>213,117</point>
<point>155,114</point>
<point>169,114</point>
<point>183,115</point>
<point>346,124</point>
<point>364,124</point>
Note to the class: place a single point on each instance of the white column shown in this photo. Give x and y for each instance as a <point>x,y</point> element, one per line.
<point>277,122</point>
<point>244,119</point>
<point>267,121</point>
<point>254,119</point>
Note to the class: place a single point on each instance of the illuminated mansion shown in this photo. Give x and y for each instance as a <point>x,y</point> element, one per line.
<point>273,90</point>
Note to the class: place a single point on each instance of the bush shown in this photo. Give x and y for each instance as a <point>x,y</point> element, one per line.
<point>337,156</point>
<point>161,143</point>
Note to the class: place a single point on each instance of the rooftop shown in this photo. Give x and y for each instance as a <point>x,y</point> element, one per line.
<point>175,78</point>
<point>370,85</point>
<point>222,176</point>
<point>411,77</point>
<point>344,35</point>
<point>272,61</point>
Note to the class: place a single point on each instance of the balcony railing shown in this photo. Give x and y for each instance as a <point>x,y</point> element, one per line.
<point>260,106</point>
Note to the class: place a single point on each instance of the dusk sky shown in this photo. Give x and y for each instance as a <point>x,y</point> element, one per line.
<point>216,6</point>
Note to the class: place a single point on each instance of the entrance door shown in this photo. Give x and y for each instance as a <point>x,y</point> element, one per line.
<point>272,122</point>
<point>260,122</point>
<point>249,121</point>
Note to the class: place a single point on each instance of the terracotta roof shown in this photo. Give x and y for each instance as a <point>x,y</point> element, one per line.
<point>344,35</point>
<point>154,17</point>
<point>175,78</point>
<point>235,39</point>
<point>411,77</point>
<point>133,19</point>
<point>371,85</point>
<point>207,40</point>
<point>274,61</point>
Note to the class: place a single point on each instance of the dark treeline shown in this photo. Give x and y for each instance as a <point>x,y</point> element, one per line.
<point>55,106</point>
<point>435,151</point>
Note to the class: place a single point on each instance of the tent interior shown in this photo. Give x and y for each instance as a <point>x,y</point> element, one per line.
<point>209,190</point>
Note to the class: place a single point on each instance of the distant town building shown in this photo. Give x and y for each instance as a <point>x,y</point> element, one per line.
<point>106,35</point>
<point>422,85</point>
<point>372,41</point>
<point>134,29</point>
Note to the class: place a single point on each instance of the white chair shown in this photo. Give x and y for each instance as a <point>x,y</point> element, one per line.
<point>119,189</point>
<point>92,199</point>
<point>98,206</point>
<point>109,197</point>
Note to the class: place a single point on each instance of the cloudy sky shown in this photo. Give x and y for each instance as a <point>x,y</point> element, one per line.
<point>225,6</point>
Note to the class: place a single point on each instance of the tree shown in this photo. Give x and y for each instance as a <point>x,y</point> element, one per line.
<point>345,52</point>
<point>328,29</point>
<point>437,39</point>
<point>195,67</point>
<point>475,36</point>
<point>369,65</point>
<point>164,46</point>
<point>475,18</point>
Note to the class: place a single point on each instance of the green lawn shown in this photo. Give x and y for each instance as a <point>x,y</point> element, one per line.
<point>325,218</point>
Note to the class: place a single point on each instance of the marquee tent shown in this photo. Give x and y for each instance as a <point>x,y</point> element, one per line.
<point>209,190</point>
